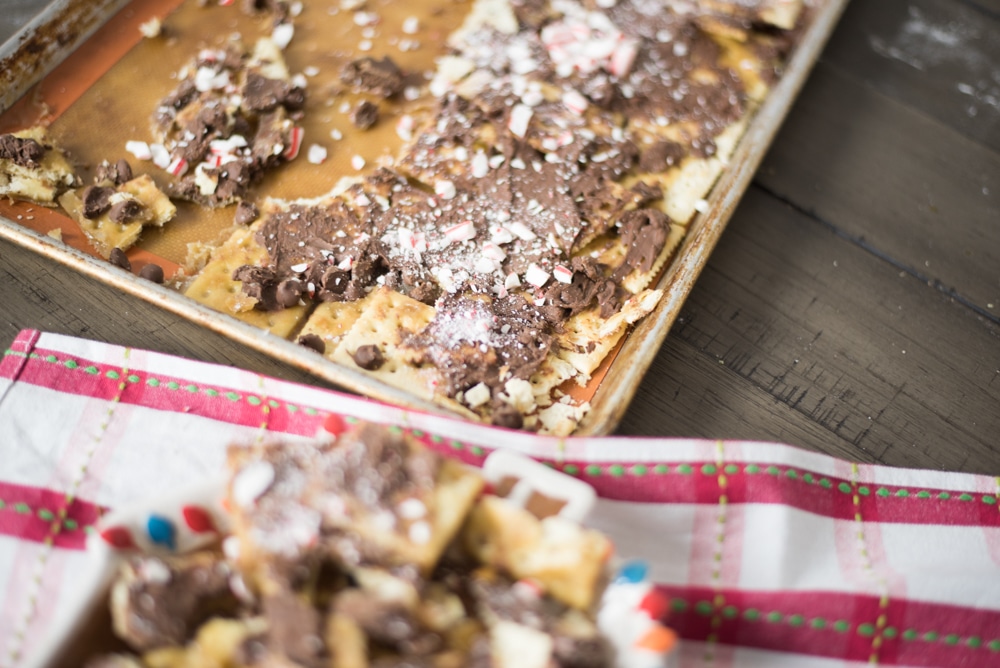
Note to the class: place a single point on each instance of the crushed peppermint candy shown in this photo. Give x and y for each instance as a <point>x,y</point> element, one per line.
<point>357,162</point>
<point>446,190</point>
<point>520,116</point>
<point>317,154</point>
<point>282,35</point>
<point>295,143</point>
<point>139,149</point>
<point>562,274</point>
<point>464,231</point>
<point>536,275</point>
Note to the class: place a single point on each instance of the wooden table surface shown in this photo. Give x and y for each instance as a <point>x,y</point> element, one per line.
<point>853,304</point>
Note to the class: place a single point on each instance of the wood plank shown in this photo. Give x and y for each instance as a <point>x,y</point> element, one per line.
<point>904,185</point>
<point>796,334</point>
<point>939,56</point>
<point>989,7</point>
<point>40,294</point>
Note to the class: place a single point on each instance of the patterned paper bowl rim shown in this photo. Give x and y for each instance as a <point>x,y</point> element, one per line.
<point>195,517</point>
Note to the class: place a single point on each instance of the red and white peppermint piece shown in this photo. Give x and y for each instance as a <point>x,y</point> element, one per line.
<point>464,231</point>
<point>160,155</point>
<point>485,265</point>
<point>575,101</point>
<point>316,155</point>
<point>522,231</point>
<point>414,242</point>
<point>346,263</point>
<point>536,275</point>
<point>209,78</point>
<point>445,189</point>
<point>480,165</point>
<point>562,274</point>
<point>300,267</point>
<point>226,3</point>
<point>139,149</point>
<point>358,163</point>
<point>512,281</point>
<point>494,252</point>
<point>177,166</point>
<point>520,116</point>
<point>623,58</point>
<point>404,127</point>
<point>500,235</point>
<point>294,143</point>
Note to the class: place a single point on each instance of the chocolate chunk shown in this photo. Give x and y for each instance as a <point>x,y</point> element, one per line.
<point>23,152</point>
<point>96,200</point>
<point>369,357</point>
<point>364,115</point>
<point>313,341</point>
<point>644,232</point>
<point>263,94</point>
<point>246,213</point>
<point>119,259</point>
<point>367,75</point>
<point>295,99</point>
<point>118,173</point>
<point>288,292</point>
<point>125,211</point>
<point>152,272</point>
<point>661,156</point>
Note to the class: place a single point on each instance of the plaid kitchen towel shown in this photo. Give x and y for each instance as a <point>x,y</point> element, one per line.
<point>771,556</point>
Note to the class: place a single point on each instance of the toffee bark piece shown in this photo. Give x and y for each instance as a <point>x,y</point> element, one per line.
<point>372,496</point>
<point>113,216</point>
<point>567,560</point>
<point>220,144</point>
<point>32,168</point>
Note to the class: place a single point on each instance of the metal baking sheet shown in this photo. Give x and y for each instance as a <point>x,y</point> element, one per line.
<point>32,58</point>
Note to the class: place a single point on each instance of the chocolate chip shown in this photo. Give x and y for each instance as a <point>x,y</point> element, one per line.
<point>288,292</point>
<point>124,171</point>
<point>152,272</point>
<point>125,211</point>
<point>118,173</point>
<point>119,259</point>
<point>313,341</point>
<point>96,200</point>
<point>364,115</point>
<point>369,357</point>
<point>246,213</point>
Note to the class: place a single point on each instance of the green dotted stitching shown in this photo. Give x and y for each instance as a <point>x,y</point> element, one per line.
<point>43,514</point>
<point>867,630</point>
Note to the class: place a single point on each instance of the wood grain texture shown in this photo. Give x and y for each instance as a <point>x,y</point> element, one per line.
<point>852,305</point>
<point>938,57</point>
<point>905,186</point>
